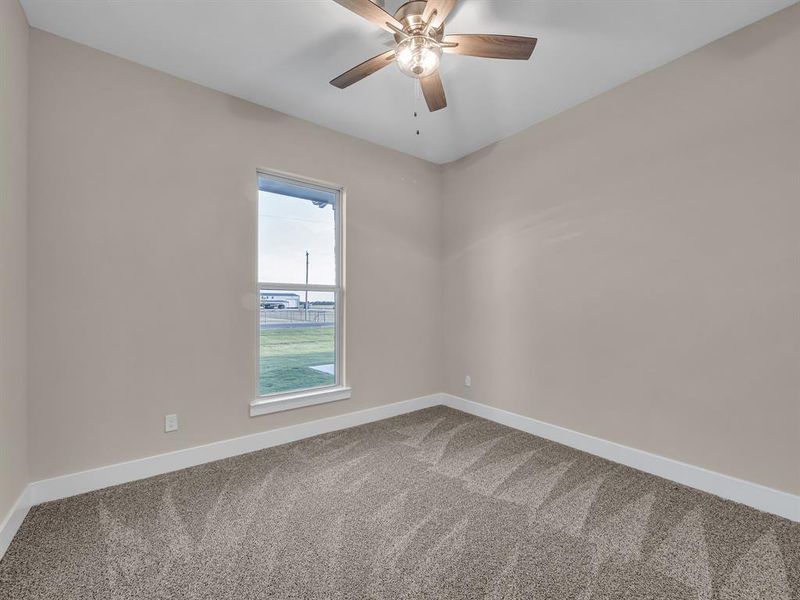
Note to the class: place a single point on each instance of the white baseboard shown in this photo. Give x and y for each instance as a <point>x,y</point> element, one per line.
<point>102,477</point>
<point>757,496</point>
<point>14,518</point>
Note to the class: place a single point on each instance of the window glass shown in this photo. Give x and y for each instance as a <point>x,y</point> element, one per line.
<point>297,347</point>
<point>296,237</point>
<point>299,287</point>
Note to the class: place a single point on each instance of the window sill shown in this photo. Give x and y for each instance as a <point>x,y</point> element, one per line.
<point>267,405</point>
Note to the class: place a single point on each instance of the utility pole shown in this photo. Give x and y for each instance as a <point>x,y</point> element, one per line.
<point>306,312</point>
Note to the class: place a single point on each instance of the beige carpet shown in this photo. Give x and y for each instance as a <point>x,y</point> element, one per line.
<point>435,504</point>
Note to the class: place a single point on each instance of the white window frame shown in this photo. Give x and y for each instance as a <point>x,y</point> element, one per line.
<point>271,403</point>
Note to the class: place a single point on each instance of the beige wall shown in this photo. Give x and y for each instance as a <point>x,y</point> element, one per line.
<point>13,228</point>
<point>143,260</point>
<point>631,268</point>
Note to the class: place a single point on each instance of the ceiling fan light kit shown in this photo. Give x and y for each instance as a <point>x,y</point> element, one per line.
<point>418,56</point>
<point>418,28</point>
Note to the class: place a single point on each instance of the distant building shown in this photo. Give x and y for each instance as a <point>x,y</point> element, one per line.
<point>278,300</point>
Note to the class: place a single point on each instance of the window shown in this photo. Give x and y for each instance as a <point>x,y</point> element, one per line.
<point>300,294</point>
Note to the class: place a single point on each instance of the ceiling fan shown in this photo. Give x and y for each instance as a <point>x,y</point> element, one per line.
<point>418,28</point>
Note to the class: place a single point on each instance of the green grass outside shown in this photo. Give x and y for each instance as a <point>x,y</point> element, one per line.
<point>286,356</point>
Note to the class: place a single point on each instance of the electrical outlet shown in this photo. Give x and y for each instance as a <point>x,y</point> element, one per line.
<point>170,423</point>
<point>467,381</point>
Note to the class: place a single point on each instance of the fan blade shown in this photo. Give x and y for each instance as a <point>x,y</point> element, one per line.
<point>513,47</point>
<point>433,90</point>
<point>442,8</point>
<point>368,67</point>
<point>371,12</point>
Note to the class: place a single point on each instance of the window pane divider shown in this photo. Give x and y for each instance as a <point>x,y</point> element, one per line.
<point>298,287</point>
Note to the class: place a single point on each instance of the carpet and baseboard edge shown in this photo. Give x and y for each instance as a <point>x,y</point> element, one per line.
<point>754,495</point>
<point>745,492</point>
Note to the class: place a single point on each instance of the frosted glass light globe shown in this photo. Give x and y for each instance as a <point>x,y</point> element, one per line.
<point>418,56</point>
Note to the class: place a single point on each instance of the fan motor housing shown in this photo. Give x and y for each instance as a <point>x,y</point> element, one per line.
<point>410,16</point>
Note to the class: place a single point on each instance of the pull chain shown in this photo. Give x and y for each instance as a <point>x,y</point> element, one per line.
<point>417,90</point>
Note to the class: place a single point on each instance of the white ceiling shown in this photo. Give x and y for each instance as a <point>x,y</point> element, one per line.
<point>282,53</point>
